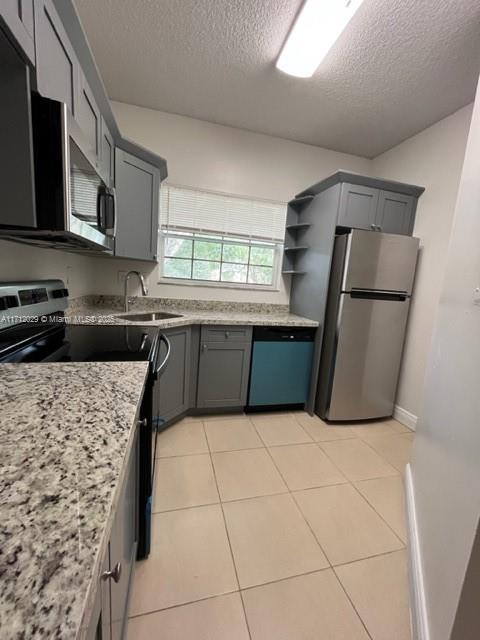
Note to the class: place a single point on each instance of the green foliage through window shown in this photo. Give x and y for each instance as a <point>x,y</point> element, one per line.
<point>191,256</point>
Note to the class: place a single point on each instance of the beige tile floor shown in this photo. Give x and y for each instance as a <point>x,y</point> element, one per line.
<point>276,527</point>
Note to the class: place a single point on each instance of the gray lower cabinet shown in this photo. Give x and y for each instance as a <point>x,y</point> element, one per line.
<point>223,368</point>
<point>57,66</point>
<point>17,15</point>
<point>174,385</point>
<point>138,188</point>
<point>109,617</point>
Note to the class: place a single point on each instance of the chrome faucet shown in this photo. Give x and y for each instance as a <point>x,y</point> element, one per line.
<point>142,282</point>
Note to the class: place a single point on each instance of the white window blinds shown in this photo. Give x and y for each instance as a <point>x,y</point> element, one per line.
<point>189,209</point>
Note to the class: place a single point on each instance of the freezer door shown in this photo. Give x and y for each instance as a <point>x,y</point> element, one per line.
<point>363,378</point>
<point>382,261</point>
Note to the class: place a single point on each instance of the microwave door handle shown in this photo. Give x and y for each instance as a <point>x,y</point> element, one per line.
<point>101,205</point>
<point>114,198</point>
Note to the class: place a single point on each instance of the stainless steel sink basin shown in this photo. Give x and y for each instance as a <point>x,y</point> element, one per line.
<point>148,317</point>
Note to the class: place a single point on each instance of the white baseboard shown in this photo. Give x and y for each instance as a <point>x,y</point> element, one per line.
<point>405,417</point>
<point>417,588</point>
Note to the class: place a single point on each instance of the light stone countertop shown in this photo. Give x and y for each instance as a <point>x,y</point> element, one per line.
<point>105,310</point>
<point>63,450</point>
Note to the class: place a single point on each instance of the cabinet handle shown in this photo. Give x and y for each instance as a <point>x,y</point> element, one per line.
<point>373,226</point>
<point>142,423</point>
<point>227,334</point>
<point>204,347</point>
<point>379,228</point>
<point>114,574</point>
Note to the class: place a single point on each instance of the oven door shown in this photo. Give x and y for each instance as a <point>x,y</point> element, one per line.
<point>150,420</point>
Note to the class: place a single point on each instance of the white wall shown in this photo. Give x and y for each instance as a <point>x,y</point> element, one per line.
<point>21,262</point>
<point>445,465</point>
<point>432,159</point>
<point>218,158</point>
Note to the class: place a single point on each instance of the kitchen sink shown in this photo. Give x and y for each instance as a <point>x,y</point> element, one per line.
<point>148,317</point>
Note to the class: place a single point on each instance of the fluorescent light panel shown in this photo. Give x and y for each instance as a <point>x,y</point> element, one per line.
<point>318,26</point>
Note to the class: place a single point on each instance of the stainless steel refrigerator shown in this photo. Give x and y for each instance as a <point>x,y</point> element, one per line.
<point>368,301</point>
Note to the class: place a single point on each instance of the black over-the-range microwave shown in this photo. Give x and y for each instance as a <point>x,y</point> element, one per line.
<point>74,208</point>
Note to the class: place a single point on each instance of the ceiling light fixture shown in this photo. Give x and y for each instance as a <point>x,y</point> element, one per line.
<point>317,27</point>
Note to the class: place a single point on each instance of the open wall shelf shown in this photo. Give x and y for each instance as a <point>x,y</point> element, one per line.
<point>297,248</point>
<point>297,226</point>
<point>292,272</point>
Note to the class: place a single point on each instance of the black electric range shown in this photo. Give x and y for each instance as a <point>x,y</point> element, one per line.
<point>33,330</point>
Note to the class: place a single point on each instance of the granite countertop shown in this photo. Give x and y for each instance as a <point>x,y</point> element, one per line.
<point>106,309</point>
<point>63,448</point>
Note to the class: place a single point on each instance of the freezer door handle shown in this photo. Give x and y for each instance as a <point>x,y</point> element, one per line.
<point>369,294</point>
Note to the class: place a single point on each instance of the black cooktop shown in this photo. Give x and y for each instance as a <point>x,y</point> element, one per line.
<point>51,342</point>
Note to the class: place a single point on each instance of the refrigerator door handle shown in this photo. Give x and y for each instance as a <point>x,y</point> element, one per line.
<point>370,294</point>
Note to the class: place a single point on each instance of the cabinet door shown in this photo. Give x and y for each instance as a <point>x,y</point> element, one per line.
<point>88,115</point>
<point>99,628</point>
<point>123,545</point>
<point>137,185</point>
<point>223,374</point>
<point>107,156</point>
<point>395,213</point>
<point>57,66</point>
<point>358,206</point>
<point>17,15</point>
<point>175,381</point>
<point>16,159</point>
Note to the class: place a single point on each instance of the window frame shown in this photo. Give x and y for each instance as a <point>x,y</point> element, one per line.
<point>223,239</point>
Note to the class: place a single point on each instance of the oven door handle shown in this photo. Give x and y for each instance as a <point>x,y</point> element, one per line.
<point>162,366</point>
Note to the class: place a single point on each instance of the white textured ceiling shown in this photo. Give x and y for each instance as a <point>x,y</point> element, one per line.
<point>400,66</point>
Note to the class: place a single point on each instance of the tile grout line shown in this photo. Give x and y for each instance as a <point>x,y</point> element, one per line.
<point>299,510</point>
<point>352,483</point>
<point>183,604</point>
<point>330,566</point>
<point>228,535</point>
<point>364,624</point>
<point>381,455</point>
<point>291,492</point>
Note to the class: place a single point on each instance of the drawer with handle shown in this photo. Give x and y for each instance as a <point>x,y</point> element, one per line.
<point>226,334</point>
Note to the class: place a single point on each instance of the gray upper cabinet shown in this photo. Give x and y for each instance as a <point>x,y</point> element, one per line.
<point>88,115</point>
<point>16,160</point>
<point>363,207</point>
<point>223,370</point>
<point>57,66</point>
<point>107,155</point>
<point>358,206</point>
<point>138,187</point>
<point>17,15</point>
<point>395,213</point>
<point>174,384</point>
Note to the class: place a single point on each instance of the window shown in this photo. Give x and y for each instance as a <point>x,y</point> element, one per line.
<point>214,238</point>
<point>194,256</point>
